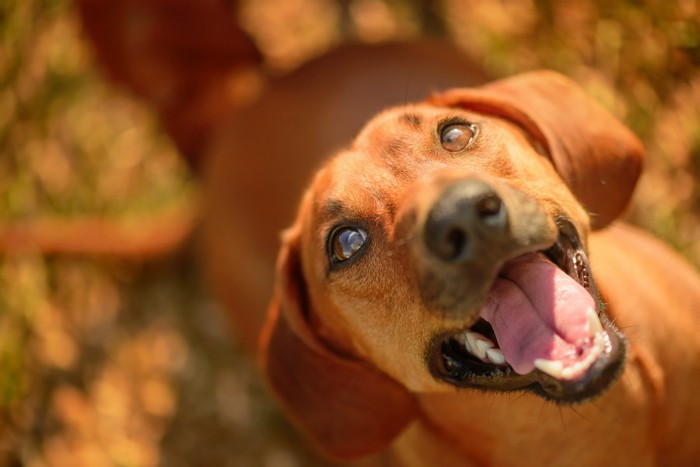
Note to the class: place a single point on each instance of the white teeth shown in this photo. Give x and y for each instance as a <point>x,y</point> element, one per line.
<point>465,341</point>
<point>557,370</point>
<point>469,341</point>
<point>482,347</point>
<point>594,324</point>
<point>551,367</point>
<point>496,356</point>
<point>488,352</point>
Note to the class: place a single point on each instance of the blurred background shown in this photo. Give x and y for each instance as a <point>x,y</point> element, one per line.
<point>118,355</point>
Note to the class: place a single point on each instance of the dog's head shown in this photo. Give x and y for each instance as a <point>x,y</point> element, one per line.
<point>446,248</point>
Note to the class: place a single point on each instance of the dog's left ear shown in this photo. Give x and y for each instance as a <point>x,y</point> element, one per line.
<point>595,154</point>
<point>346,407</point>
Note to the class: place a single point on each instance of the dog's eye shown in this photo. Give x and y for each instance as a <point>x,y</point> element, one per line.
<point>457,136</point>
<point>345,242</point>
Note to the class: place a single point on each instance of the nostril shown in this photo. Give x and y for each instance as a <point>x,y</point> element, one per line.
<point>445,239</point>
<point>488,206</point>
<point>464,221</point>
<point>446,242</point>
<point>489,209</point>
<point>454,244</point>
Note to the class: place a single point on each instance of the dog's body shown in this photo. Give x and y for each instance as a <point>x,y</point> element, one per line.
<point>435,296</point>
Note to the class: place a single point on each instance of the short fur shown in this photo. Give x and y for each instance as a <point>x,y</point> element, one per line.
<point>345,347</point>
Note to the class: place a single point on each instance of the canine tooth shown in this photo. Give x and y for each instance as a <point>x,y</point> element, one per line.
<point>496,356</point>
<point>551,367</point>
<point>594,324</point>
<point>570,371</point>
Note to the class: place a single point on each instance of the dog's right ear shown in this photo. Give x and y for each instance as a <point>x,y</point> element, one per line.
<point>345,406</point>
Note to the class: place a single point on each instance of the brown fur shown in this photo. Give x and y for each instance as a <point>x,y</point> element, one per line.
<point>346,347</point>
<point>265,154</point>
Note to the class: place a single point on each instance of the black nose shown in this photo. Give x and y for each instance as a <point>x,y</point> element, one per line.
<point>465,219</point>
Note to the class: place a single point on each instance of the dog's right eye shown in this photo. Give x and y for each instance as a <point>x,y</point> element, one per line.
<point>457,136</point>
<point>345,242</point>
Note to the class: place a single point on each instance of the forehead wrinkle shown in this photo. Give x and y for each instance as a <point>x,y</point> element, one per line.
<point>361,194</point>
<point>334,208</point>
<point>386,155</point>
<point>411,119</point>
<point>406,117</point>
<point>360,201</point>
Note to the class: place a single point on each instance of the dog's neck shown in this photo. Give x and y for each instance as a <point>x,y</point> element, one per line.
<point>480,428</point>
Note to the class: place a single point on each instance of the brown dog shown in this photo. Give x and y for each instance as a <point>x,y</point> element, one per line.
<point>435,296</point>
<point>264,156</point>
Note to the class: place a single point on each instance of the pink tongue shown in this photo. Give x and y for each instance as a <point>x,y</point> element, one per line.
<point>537,311</point>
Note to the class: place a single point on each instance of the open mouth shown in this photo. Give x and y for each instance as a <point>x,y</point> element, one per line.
<point>542,328</point>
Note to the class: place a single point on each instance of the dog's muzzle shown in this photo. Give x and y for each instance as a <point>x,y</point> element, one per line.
<point>471,228</point>
<point>514,286</point>
<point>464,222</point>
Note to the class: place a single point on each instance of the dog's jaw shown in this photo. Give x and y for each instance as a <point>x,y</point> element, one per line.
<point>591,359</point>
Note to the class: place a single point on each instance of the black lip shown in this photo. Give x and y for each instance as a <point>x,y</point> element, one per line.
<point>447,363</point>
<point>568,253</point>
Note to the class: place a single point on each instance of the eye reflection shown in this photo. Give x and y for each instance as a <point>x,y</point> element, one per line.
<point>346,242</point>
<point>457,136</point>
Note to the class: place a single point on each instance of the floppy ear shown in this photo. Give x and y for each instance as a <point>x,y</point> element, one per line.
<point>596,156</point>
<point>346,407</point>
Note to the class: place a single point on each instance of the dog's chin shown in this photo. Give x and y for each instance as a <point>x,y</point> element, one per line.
<point>472,357</point>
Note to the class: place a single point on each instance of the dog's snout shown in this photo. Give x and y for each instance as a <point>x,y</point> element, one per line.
<point>468,214</point>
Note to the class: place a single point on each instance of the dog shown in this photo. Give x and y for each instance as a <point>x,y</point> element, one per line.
<point>261,157</point>
<point>456,289</point>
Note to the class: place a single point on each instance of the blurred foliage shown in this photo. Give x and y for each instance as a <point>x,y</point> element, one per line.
<point>107,363</point>
<point>70,143</point>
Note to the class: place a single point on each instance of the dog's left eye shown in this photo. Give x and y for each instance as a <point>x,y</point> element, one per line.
<point>457,136</point>
<point>346,242</point>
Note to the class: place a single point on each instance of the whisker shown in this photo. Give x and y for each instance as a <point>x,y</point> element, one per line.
<point>594,404</point>
<point>563,423</point>
<point>542,407</point>
<point>579,414</point>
